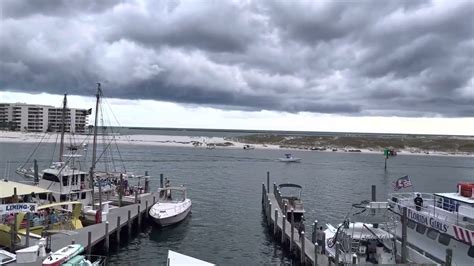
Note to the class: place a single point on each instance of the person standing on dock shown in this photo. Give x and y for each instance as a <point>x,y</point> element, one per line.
<point>321,240</point>
<point>168,184</point>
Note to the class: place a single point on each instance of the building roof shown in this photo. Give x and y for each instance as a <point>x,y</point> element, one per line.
<point>6,189</point>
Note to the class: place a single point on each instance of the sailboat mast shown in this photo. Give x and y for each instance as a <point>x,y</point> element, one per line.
<point>94,142</point>
<point>63,128</point>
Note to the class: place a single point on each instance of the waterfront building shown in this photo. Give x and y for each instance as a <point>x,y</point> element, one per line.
<point>41,118</point>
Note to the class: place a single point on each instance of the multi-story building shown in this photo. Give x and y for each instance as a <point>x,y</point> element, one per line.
<point>41,118</point>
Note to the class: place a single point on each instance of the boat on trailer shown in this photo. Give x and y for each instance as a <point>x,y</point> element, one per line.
<point>172,207</point>
<point>444,221</point>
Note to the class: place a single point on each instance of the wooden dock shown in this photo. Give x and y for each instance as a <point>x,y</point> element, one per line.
<point>118,219</point>
<point>286,233</point>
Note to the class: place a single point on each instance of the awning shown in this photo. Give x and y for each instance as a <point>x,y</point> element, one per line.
<point>6,189</point>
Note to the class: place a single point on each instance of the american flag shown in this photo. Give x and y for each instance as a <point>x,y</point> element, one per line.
<point>402,182</point>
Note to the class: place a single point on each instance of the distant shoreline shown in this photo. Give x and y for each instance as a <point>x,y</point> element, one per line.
<point>200,142</point>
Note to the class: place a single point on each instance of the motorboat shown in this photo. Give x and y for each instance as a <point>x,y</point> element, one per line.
<point>63,255</point>
<point>249,147</point>
<point>178,259</point>
<point>290,194</point>
<point>443,221</point>
<point>289,159</point>
<point>172,207</point>
<point>365,236</point>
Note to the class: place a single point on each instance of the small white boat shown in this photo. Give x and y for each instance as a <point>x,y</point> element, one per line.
<point>63,255</point>
<point>6,257</point>
<point>249,147</point>
<point>178,259</point>
<point>289,159</point>
<point>172,207</point>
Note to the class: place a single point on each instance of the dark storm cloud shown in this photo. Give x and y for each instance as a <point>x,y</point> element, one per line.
<point>402,58</point>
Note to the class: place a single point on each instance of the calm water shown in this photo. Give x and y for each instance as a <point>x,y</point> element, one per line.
<point>225,186</point>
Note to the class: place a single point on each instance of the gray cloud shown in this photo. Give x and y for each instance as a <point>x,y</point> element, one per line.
<point>403,58</point>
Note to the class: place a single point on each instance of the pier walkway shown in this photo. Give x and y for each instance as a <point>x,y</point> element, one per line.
<point>283,231</point>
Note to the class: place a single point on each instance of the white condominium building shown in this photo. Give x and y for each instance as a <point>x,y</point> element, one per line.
<point>41,118</point>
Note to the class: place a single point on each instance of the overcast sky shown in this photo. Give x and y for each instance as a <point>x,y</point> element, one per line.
<point>371,66</point>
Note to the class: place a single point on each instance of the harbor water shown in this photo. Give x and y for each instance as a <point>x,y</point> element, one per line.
<point>226,225</point>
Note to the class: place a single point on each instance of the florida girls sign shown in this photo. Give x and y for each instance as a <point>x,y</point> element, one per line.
<point>17,208</point>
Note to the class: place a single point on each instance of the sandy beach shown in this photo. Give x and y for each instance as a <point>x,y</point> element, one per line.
<point>199,142</point>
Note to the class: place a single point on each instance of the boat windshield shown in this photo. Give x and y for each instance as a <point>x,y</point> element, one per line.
<point>172,195</point>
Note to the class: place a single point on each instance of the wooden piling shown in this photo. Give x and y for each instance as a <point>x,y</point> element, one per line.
<point>27,240</point>
<point>374,193</point>
<point>263,193</point>
<point>283,230</point>
<point>275,225</point>
<point>315,262</point>
<point>269,212</point>
<point>404,253</point>
<point>118,231</point>
<point>146,209</point>
<point>303,255</point>
<point>120,191</point>
<point>315,228</point>
<point>129,224</point>
<point>73,241</point>
<point>107,238</point>
<point>268,182</point>
<point>292,233</point>
<point>154,200</point>
<point>136,195</point>
<point>161,181</point>
<point>139,214</point>
<point>449,257</point>
<point>354,259</point>
<point>336,257</point>
<point>89,243</point>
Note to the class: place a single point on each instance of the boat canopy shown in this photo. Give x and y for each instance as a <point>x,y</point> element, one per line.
<point>7,188</point>
<point>290,185</point>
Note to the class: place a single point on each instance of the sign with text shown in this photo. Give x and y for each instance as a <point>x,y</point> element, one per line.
<point>17,208</point>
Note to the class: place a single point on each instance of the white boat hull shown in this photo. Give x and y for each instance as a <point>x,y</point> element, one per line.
<point>290,160</point>
<point>173,218</point>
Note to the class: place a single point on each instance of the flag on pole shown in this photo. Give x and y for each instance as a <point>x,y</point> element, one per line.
<point>402,182</point>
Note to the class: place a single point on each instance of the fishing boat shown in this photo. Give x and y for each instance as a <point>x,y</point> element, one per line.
<point>289,159</point>
<point>63,255</point>
<point>172,207</point>
<point>364,237</point>
<point>290,195</point>
<point>443,221</point>
<point>249,147</point>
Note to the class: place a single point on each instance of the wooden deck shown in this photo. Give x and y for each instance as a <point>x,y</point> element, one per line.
<point>98,231</point>
<point>270,205</point>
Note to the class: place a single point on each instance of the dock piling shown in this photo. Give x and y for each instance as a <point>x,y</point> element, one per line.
<point>269,212</point>
<point>27,240</point>
<point>354,259</point>
<point>303,255</point>
<point>316,249</point>
<point>129,224</point>
<point>118,231</point>
<point>292,239</point>
<point>146,209</point>
<point>161,181</point>
<point>154,200</point>
<point>315,228</point>
<point>107,239</point>
<point>336,257</point>
<point>283,228</point>
<point>136,195</point>
<point>89,243</point>
<point>268,182</point>
<point>73,241</point>
<point>139,214</point>
<point>275,225</point>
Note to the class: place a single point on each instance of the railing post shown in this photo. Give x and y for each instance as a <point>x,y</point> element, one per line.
<point>27,241</point>
<point>269,212</point>
<point>337,253</point>
<point>404,235</point>
<point>146,209</point>
<point>303,251</point>
<point>129,223</point>
<point>139,214</point>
